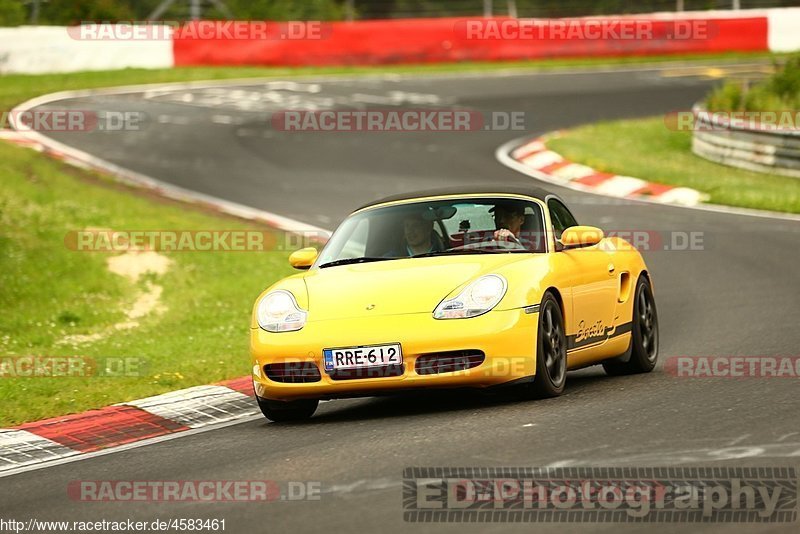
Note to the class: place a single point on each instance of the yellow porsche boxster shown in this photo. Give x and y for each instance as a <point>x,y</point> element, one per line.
<point>453,288</point>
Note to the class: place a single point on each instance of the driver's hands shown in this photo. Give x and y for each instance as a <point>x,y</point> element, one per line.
<point>505,235</point>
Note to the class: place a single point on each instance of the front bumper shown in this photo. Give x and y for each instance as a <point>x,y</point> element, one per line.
<point>507,338</point>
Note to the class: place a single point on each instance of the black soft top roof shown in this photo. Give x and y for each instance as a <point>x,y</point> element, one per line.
<point>466,190</point>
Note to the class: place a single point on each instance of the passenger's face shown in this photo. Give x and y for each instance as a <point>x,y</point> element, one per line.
<point>417,231</point>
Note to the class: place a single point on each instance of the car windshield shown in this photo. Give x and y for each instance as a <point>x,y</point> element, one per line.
<point>440,227</point>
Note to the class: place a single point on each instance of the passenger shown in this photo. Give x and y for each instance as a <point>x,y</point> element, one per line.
<point>418,237</point>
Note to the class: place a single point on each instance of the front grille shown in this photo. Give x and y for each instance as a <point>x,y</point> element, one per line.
<point>368,372</point>
<point>447,362</point>
<point>292,372</point>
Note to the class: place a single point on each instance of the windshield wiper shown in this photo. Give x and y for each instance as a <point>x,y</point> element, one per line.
<point>350,261</point>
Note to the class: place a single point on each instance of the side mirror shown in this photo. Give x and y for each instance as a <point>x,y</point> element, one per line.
<point>303,258</point>
<point>581,236</point>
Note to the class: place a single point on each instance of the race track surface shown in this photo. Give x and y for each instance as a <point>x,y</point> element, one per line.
<point>738,296</point>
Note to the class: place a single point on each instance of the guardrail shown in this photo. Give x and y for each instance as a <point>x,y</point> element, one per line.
<point>768,151</point>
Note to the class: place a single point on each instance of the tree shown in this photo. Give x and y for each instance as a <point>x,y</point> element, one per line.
<point>12,13</point>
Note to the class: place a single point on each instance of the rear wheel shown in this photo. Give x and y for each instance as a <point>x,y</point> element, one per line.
<point>644,334</point>
<point>281,411</point>
<point>551,350</point>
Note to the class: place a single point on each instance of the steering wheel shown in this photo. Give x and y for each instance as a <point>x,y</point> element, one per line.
<point>512,244</point>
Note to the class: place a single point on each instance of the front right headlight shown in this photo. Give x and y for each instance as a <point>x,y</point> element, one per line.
<point>476,299</point>
<point>278,312</point>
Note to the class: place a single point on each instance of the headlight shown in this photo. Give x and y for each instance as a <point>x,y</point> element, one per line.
<point>279,312</point>
<point>476,299</point>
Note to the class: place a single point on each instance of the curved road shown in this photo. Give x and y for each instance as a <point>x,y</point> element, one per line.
<point>738,296</point>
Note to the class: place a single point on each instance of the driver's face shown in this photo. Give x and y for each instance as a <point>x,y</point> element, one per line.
<point>509,220</point>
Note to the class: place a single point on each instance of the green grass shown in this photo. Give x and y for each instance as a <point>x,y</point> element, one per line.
<point>49,292</point>
<point>779,92</point>
<point>17,88</point>
<point>647,149</point>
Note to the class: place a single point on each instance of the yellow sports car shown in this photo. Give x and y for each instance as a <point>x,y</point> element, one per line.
<point>470,287</point>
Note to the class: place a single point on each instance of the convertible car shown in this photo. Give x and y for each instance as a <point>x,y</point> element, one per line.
<point>474,287</point>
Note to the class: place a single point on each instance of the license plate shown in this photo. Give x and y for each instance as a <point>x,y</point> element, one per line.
<point>363,357</point>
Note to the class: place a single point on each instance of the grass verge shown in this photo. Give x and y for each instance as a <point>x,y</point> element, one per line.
<point>50,294</point>
<point>647,149</point>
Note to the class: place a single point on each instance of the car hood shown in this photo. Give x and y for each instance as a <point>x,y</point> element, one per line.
<point>394,287</point>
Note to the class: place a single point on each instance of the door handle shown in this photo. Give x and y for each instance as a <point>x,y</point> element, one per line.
<point>611,268</point>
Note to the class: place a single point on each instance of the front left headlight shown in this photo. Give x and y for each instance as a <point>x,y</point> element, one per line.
<point>278,312</point>
<point>476,299</point>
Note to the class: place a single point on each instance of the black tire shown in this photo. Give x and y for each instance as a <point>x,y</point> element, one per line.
<point>551,350</point>
<point>644,334</point>
<point>284,411</point>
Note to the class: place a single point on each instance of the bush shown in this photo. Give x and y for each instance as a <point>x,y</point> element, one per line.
<point>779,92</point>
<point>12,13</point>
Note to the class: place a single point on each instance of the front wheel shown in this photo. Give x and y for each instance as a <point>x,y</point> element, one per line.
<point>644,334</point>
<point>284,411</point>
<point>551,350</point>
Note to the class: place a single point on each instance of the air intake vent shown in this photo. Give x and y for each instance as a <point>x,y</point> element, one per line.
<point>292,372</point>
<point>447,362</point>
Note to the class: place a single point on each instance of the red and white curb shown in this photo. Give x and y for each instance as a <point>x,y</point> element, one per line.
<point>51,440</point>
<point>551,167</point>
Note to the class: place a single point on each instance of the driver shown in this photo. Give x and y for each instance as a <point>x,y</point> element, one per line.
<point>509,218</point>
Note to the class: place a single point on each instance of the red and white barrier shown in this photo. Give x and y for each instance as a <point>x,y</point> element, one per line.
<point>109,46</point>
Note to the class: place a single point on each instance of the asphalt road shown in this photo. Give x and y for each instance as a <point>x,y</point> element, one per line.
<point>738,296</point>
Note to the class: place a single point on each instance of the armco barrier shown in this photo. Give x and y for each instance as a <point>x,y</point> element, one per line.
<point>776,152</point>
<point>451,40</point>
